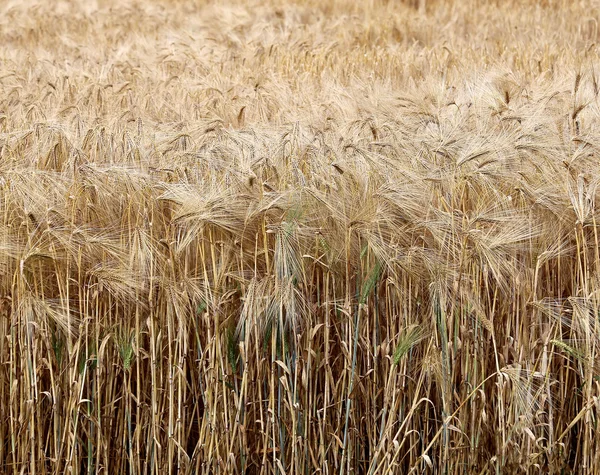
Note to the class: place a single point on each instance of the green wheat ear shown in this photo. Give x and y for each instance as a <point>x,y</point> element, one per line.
<point>370,282</point>
<point>574,352</point>
<point>201,308</point>
<point>411,336</point>
<point>124,342</point>
<point>58,345</point>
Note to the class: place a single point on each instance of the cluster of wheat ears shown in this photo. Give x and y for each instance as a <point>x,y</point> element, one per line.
<point>293,237</point>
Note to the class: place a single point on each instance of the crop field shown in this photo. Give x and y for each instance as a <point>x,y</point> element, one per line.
<point>299,237</point>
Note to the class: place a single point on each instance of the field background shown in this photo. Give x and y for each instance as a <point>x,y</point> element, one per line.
<point>299,237</point>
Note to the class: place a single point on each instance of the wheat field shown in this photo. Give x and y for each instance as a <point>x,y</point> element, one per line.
<point>299,237</point>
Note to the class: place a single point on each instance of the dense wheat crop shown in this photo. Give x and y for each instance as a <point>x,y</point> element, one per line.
<point>299,237</point>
